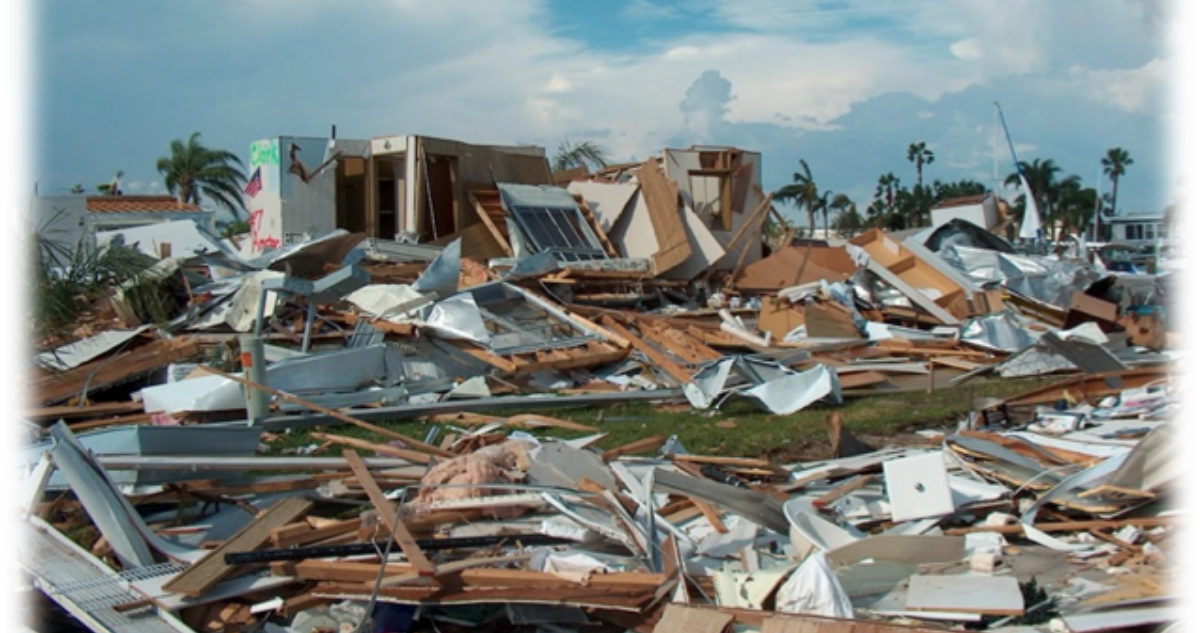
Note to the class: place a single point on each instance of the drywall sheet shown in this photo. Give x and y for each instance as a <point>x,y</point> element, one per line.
<point>634,232</point>
<point>706,250</point>
<point>987,595</point>
<point>607,200</point>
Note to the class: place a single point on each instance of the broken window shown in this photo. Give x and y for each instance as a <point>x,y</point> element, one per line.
<point>550,220</point>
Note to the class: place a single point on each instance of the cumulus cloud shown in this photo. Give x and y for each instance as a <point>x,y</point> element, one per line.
<point>704,104</point>
<point>1138,90</point>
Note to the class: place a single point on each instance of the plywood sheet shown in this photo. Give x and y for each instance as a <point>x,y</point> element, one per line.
<point>986,595</point>
<point>634,232</point>
<point>678,617</point>
<point>782,269</point>
<point>663,202</point>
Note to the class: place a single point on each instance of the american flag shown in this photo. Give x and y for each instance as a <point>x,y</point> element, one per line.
<point>255,184</point>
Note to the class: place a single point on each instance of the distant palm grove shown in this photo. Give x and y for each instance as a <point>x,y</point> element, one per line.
<point>1065,206</point>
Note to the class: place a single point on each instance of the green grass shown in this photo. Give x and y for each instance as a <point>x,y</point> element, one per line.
<point>739,428</point>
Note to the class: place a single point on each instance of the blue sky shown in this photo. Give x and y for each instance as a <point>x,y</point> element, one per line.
<point>845,85</point>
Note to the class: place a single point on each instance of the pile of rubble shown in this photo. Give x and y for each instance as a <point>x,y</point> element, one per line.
<point>1046,511</point>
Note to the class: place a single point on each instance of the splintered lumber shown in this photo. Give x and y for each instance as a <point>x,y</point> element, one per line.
<point>747,462</point>
<point>627,599</point>
<point>528,420</point>
<point>89,412</point>
<point>837,493</point>
<point>675,371</point>
<point>632,448</point>
<point>662,201</point>
<point>304,533</point>
<point>387,512</point>
<point>52,387</point>
<point>384,449</point>
<point>416,444</point>
<point>366,572</point>
<point>212,568</point>
<point>456,566</point>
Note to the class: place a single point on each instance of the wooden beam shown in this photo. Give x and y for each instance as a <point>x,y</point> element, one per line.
<point>656,357</point>
<point>304,533</point>
<point>212,568</point>
<point>486,218</point>
<point>387,513</point>
<point>662,202</point>
<point>353,442</point>
<point>416,444</point>
<point>842,490</point>
<point>638,446</point>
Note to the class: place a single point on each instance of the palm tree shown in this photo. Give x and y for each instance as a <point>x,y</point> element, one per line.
<point>1076,206</point>
<point>581,154</point>
<point>193,169</point>
<point>962,188</point>
<point>1114,163</point>
<point>921,156</point>
<point>885,197</point>
<point>847,221</point>
<point>802,193</point>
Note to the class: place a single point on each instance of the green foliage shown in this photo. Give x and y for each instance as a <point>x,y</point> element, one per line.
<point>236,227</point>
<point>192,170</point>
<point>582,154</point>
<point>1115,162</point>
<point>66,280</point>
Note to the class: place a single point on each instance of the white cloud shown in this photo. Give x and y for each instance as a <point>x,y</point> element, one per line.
<point>1139,90</point>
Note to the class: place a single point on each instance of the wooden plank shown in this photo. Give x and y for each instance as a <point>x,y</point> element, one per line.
<point>590,216</point>
<point>725,461</point>
<point>842,490</point>
<point>662,202</point>
<point>675,371</point>
<point>212,568</point>
<point>416,444</point>
<point>89,412</point>
<point>486,218</point>
<point>639,446</point>
<point>387,512</point>
<point>680,344</point>
<point>304,533</point>
<point>366,571</point>
<point>533,420</point>
<point>385,449</point>
<point>52,387</point>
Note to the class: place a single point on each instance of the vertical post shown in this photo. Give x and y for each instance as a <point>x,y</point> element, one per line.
<point>254,367</point>
<point>309,317</point>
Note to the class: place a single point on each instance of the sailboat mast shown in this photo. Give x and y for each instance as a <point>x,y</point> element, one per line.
<point>1031,222</point>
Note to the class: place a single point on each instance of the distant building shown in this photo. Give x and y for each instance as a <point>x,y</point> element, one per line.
<point>68,219</point>
<point>980,210</point>
<point>390,187</point>
<point>1137,228</point>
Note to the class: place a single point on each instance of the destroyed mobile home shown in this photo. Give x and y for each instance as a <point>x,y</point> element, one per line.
<point>1047,511</point>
